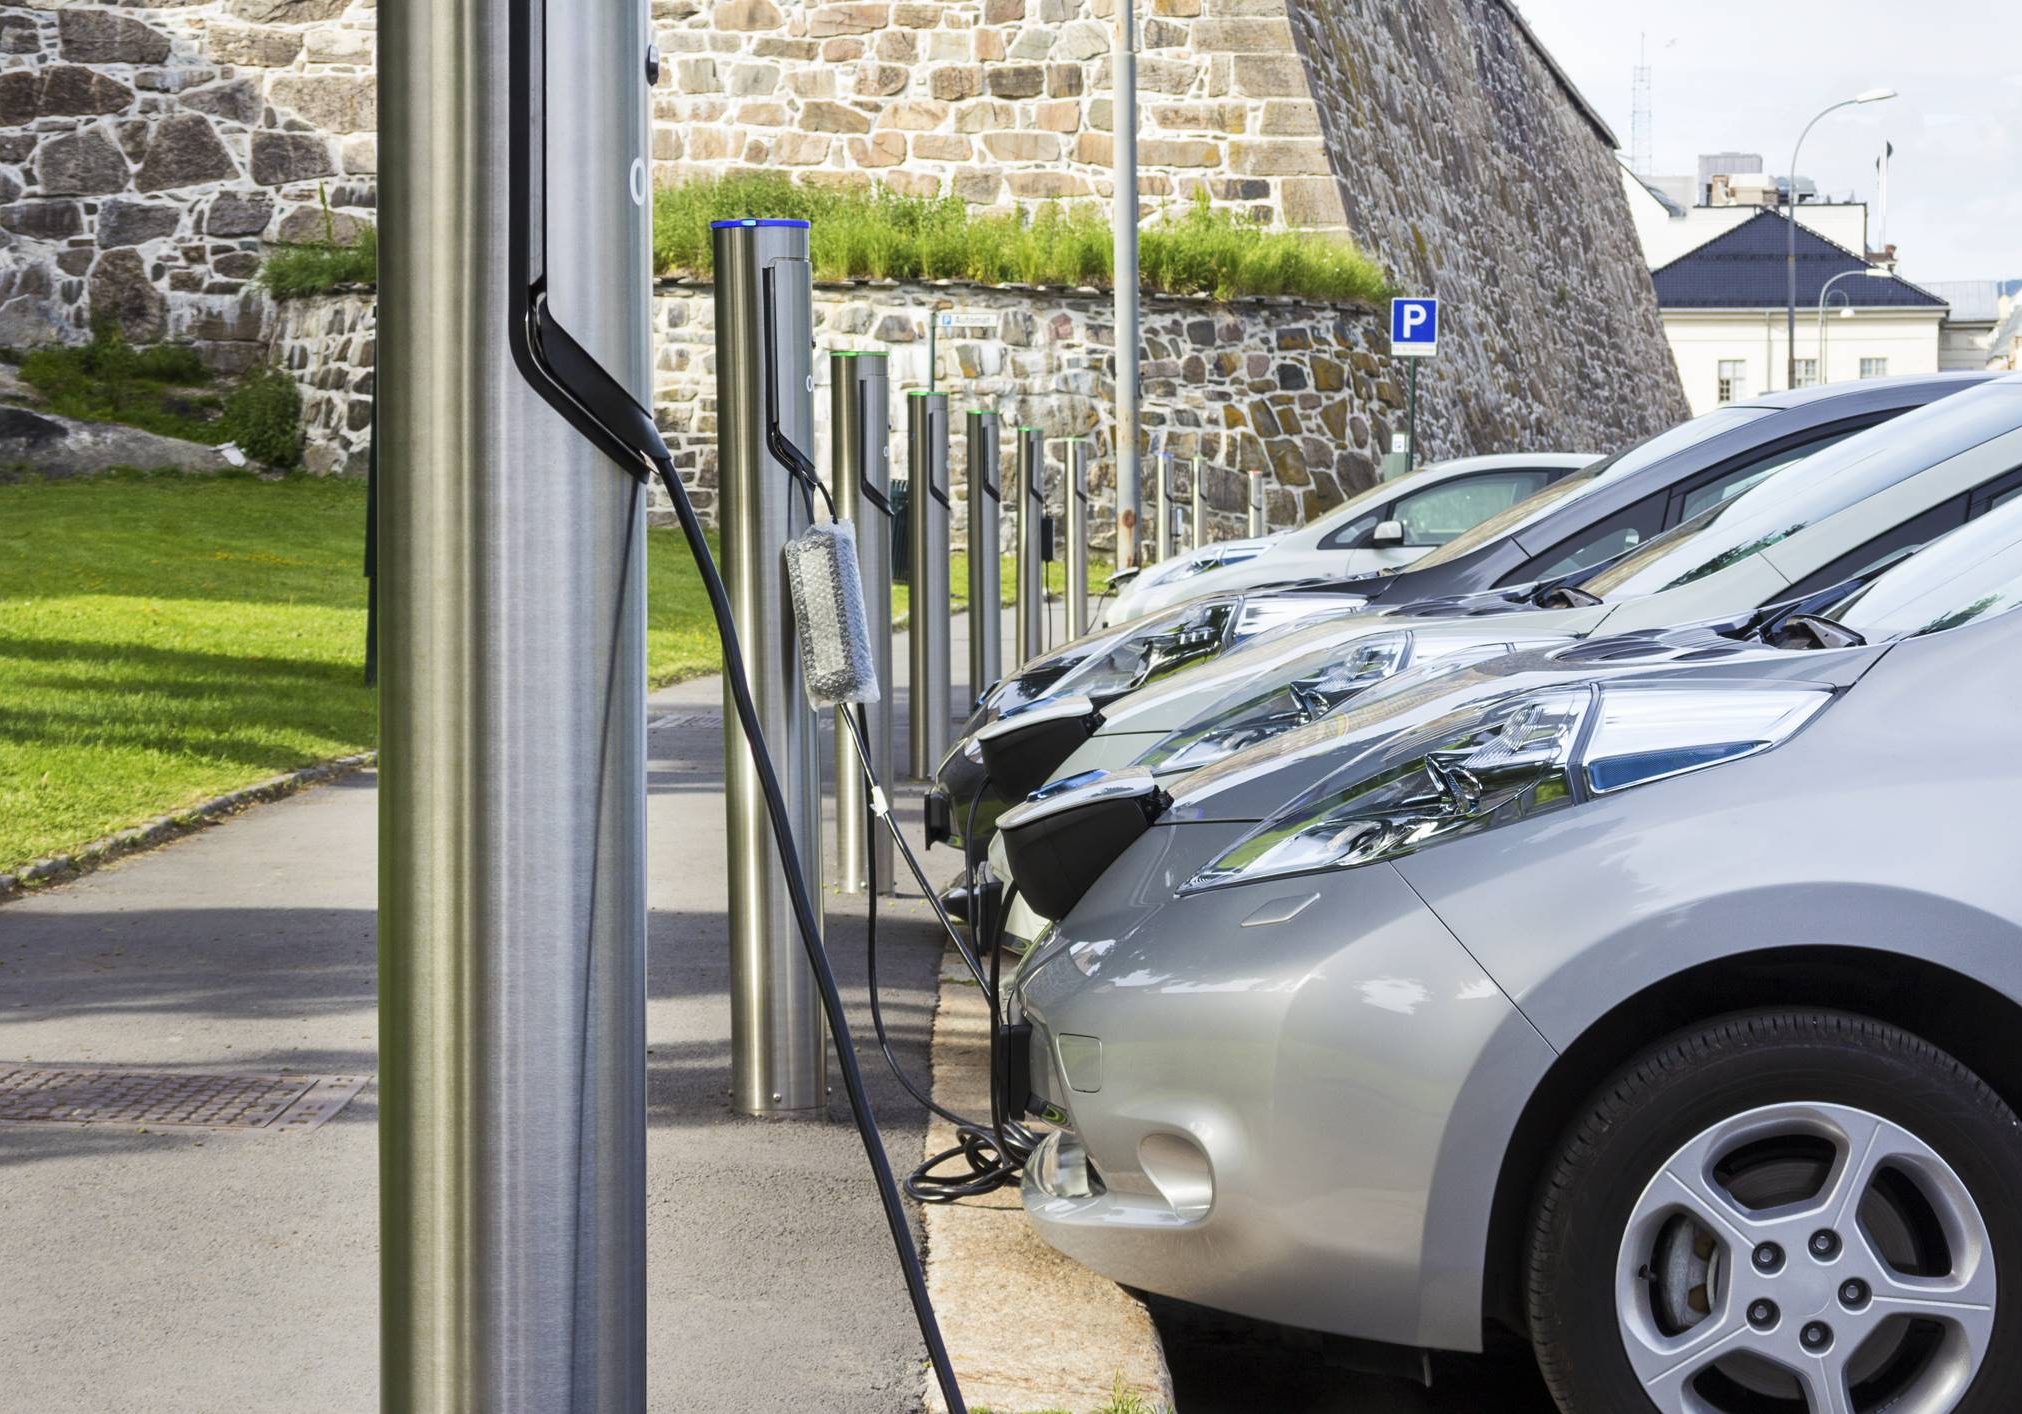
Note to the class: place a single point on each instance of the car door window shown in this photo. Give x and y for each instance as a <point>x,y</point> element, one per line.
<point>1353,535</point>
<point>1911,536</point>
<point>1730,481</point>
<point>1436,515</point>
<point>1624,530</point>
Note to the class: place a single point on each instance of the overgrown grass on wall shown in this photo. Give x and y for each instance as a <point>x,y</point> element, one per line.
<point>880,235</point>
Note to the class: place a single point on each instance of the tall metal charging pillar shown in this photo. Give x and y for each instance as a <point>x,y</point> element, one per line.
<point>1031,525</point>
<point>927,508</point>
<point>860,481</point>
<point>1162,536</point>
<point>764,364</point>
<point>1256,502</point>
<point>986,565</point>
<point>1197,513</point>
<point>512,847</point>
<point>1075,499</point>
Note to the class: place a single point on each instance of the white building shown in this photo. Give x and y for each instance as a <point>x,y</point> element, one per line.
<point>1979,311</point>
<point>1720,273</point>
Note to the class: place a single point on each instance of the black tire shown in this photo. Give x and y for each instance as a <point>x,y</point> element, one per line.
<point>1693,1080</point>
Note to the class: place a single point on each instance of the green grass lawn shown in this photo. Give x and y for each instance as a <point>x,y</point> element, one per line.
<point>164,639</point>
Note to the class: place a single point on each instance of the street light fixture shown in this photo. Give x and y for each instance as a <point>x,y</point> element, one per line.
<point>1880,272</point>
<point>1872,95</point>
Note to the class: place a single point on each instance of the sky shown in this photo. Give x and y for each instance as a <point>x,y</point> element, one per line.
<point>1746,75</point>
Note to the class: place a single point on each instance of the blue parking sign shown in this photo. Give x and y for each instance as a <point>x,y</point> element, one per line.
<point>1414,327</point>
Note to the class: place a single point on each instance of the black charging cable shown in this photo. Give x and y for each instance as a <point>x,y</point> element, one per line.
<point>810,933</point>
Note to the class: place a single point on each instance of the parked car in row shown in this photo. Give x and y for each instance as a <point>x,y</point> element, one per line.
<point>1825,519</point>
<point>1574,522</point>
<point>1387,526</point>
<point>1572,528</point>
<point>1649,996</point>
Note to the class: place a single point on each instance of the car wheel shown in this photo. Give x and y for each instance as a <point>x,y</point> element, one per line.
<point>1787,1212</point>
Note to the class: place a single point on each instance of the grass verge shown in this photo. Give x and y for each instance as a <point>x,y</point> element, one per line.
<point>164,639</point>
<point>880,235</point>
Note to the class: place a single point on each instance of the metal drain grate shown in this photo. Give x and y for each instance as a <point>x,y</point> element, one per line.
<point>153,1099</point>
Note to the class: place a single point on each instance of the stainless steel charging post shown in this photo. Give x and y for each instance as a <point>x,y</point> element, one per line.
<point>764,365</point>
<point>1076,508</point>
<point>1256,502</point>
<point>929,608</point>
<point>860,481</point>
<point>1031,523</point>
<point>1197,514</point>
<point>986,566</point>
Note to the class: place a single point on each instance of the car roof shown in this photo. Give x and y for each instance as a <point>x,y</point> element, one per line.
<point>1868,388</point>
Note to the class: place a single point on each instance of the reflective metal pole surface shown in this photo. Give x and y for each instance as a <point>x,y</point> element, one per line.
<point>1123,229</point>
<point>1076,498</point>
<point>1197,516</point>
<point>512,903</point>
<point>860,481</point>
<point>1162,537</point>
<point>927,461</point>
<point>1031,569</point>
<point>1256,503</point>
<point>778,1047</point>
<point>986,566</point>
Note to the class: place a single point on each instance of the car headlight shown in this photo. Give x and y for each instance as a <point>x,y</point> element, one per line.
<point>1320,684</point>
<point>1313,693</point>
<point>1510,759</point>
<point>1154,648</point>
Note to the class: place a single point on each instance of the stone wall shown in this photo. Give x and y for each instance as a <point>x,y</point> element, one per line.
<point>148,151</point>
<point>328,344</point>
<point>1474,171</point>
<point>1296,391</point>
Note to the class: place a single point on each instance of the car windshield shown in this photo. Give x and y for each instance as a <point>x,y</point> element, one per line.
<point>1823,484</point>
<point>1648,452</point>
<point>1505,521</point>
<point>1975,572</point>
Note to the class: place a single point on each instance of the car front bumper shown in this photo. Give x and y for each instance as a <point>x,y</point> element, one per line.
<point>1299,1120</point>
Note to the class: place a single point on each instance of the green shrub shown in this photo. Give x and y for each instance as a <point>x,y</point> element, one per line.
<point>264,417</point>
<point>162,388</point>
<point>881,235</point>
<point>292,271</point>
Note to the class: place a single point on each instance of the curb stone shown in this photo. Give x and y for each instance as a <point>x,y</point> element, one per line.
<point>163,828</point>
<point>1026,1328</point>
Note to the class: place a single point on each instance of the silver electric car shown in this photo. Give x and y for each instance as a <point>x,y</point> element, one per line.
<point>1801,530</point>
<point>1653,997</point>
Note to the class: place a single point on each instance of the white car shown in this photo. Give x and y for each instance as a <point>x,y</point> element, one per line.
<point>1383,528</point>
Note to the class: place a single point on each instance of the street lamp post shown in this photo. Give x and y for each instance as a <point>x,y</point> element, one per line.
<point>1877,271</point>
<point>1873,95</point>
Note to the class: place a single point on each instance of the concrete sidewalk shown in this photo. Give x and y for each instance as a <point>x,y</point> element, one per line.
<point>201,1270</point>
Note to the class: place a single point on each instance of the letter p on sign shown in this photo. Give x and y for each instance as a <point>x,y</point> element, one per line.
<point>1414,327</point>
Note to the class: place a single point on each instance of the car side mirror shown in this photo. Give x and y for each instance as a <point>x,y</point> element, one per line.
<point>1387,533</point>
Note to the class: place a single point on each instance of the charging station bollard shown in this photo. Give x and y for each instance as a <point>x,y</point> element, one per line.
<point>512,787</point>
<point>986,566</point>
<point>1197,516</point>
<point>1162,537</point>
<point>860,433</point>
<point>1031,526</point>
<point>1256,503</point>
<point>927,462</point>
<point>764,356</point>
<point>1076,499</point>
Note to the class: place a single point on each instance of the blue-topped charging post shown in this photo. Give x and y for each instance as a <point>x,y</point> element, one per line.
<point>764,412</point>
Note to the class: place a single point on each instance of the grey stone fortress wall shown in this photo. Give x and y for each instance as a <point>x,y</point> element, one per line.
<point>150,150</point>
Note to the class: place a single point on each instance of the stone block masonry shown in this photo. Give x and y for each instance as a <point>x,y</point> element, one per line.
<point>149,151</point>
<point>1306,394</point>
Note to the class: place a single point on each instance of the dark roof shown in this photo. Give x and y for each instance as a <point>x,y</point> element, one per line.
<point>1743,269</point>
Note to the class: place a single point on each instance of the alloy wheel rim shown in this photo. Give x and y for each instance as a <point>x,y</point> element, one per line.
<point>1805,1259</point>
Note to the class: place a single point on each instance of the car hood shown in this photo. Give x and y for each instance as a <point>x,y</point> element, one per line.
<point>1255,783</point>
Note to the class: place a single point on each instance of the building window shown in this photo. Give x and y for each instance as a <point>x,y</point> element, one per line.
<point>1874,368</point>
<point>1733,379</point>
<point>1807,373</point>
